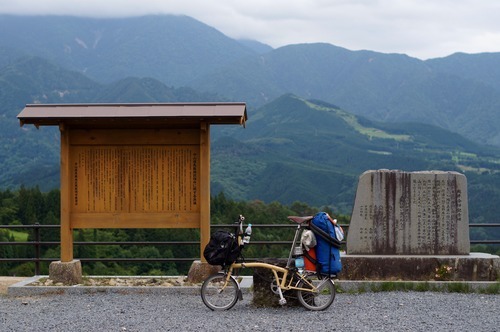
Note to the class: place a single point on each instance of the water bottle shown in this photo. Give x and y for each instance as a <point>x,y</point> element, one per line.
<point>299,263</point>
<point>248,232</point>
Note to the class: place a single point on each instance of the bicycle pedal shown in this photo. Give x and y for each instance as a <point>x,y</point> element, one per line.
<point>282,301</point>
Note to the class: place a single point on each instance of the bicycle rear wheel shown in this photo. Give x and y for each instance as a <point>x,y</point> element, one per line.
<point>317,300</point>
<point>217,294</point>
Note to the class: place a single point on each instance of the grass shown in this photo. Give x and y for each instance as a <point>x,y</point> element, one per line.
<point>420,286</point>
<point>352,120</point>
<point>492,289</point>
<point>19,236</point>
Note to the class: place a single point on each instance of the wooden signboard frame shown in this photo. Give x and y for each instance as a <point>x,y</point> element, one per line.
<point>134,165</point>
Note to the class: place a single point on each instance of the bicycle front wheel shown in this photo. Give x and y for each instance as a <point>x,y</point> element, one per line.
<point>320,298</point>
<point>217,294</point>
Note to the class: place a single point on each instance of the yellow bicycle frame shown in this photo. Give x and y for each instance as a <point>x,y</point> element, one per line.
<point>280,275</point>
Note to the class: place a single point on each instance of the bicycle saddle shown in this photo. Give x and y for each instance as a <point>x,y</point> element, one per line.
<point>300,220</point>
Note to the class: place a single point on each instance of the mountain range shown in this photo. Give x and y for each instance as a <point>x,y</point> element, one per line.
<point>459,92</point>
<point>319,114</point>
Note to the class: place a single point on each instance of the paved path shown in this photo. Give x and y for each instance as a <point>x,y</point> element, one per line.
<point>385,311</point>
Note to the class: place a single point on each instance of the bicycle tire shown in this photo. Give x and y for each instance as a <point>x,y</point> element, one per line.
<point>217,297</point>
<point>320,300</point>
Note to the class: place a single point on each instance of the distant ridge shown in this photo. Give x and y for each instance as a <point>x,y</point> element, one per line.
<point>460,93</point>
<point>392,111</point>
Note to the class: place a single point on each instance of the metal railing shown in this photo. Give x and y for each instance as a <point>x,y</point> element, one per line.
<point>37,244</point>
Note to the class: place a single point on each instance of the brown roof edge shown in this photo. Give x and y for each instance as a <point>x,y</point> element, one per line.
<point>53,114</point>
<point>137,104</point>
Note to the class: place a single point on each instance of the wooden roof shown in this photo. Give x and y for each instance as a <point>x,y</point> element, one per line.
<point>133,115</point>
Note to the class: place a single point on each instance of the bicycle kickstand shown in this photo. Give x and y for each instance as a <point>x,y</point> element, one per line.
<point>282,300</point>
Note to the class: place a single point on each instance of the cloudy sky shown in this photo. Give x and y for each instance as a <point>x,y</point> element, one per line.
<point>420,28</point>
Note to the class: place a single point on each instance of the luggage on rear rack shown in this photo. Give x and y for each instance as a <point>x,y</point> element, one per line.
<point>310,260</point>
<point>327,247</point>
<point>308,242</point>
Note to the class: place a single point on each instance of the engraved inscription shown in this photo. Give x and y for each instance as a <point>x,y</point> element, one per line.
<point>410,213</point>
<point>135,178</point>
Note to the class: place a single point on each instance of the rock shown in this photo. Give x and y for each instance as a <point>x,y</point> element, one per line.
<point>199,271</point>
<point>263,295</point>
<point>67,273</point>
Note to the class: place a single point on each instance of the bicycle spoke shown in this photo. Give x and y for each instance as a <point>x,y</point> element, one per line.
<point>318,299</point>
<point>219,293</point>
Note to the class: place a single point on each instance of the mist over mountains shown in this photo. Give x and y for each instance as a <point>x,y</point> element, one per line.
<point>459,92</point>
<point>319,115</point>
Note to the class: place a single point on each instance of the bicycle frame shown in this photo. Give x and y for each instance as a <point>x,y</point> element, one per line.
<point>281,280</point>
<point>281,274</point>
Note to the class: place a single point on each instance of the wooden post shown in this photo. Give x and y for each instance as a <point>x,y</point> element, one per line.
<point>66,229</point>
<point>204,187</point>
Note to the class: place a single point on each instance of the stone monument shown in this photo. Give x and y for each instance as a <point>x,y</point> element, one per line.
<point>418,213</point>
<point>413,226</point>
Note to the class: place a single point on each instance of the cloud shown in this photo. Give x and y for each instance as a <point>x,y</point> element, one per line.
<point>420,28</point>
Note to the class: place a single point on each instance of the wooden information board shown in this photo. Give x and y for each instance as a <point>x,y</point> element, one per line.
<point>134,165</point>
<point>135,179</point>
<point>120,178</point>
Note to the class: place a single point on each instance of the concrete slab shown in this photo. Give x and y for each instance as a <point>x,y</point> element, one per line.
<point>26,288</point>
<point>23,288</point>
<point>472,267</point>
<point>6,282</point>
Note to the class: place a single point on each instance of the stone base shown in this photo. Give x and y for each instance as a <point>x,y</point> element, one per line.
<point>472,267</point>
<point>199,271</point>
<point>67,273</point>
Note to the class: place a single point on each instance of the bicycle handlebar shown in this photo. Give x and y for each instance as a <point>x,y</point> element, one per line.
<point>239,225</point>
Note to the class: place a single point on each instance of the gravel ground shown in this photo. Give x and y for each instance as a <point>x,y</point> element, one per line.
<point>387,311</point>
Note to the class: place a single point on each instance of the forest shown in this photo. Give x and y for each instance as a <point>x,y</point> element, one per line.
<point>29,206</point>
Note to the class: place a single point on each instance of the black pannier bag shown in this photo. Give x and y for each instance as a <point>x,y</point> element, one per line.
<point>222,249</point>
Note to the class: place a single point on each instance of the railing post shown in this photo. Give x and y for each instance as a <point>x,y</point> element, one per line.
<point>37,249</point>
